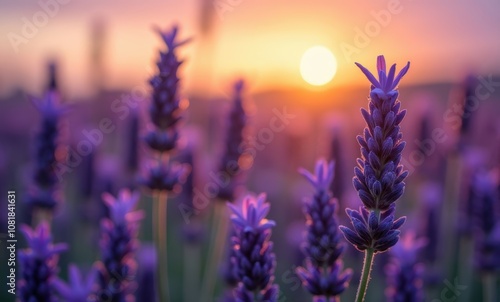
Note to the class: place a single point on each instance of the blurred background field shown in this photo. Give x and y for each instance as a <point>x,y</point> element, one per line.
<point>103,53</point>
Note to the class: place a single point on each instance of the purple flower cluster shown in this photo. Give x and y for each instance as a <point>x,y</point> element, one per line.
<point>379,175</point>
<point>229,164</point>
<point>165,114</point>
<point>39,265</point>
<point>323,275</point>
<point>165,110</point>
<point>487,254</point>
<point>118,244</point>
<point>404,272</point>
<point>253,248</point>
<point>165,176</point>
<point>44,193</point>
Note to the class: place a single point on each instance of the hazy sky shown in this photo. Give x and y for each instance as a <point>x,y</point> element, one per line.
<point>262,40</point>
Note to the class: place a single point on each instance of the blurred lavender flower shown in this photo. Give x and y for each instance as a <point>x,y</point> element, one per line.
<point>146,274</point>
<point>52,83</point>
<point>337,187</point>
<point>38,265</point>
<point>404,273</point>
<point>79,289</point>
<point>118,244</point>
<point>87,175</point>
<point>323,275</point>
<point>431,197</point>
<point>229,165</point>
<point>166,177</point>
<point>44,194</point>
<point>254,251</point>
<point>469,92</point>
<point>132,147</point>
<point>229,270</point>
<point>487,256</point>
<point>379,176</point>
<point>165,113</point>
<point>165,110</point>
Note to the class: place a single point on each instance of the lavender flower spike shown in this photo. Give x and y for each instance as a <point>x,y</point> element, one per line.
<point>79,289</point>
<point>166,109</point>
<point>404,272</point>
<point>379,175</point>
<point>39,265</point>
<point>118,244</point>
<point>255,259</point>
<point>323,275</point>
<point>229,165</point>
<point>44,191</point>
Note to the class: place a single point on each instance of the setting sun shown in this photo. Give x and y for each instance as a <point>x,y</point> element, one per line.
<point>318,65</point>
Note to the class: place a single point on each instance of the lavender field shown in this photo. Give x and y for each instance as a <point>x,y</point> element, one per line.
<point>219,150</point>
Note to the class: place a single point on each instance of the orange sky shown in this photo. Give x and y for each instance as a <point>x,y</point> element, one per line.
<point>262,40</point>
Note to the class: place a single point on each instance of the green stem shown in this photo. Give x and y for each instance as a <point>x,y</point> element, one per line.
<point>191,271</point>
<point>464,264</point>
<point>160,237</point>
<point>365,275</point>
<point>217,244</point>
<point>489,287</point>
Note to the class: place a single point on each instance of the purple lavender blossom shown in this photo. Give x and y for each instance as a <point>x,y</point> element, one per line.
<point>404,272</point>
<point>79,289</point>
<point>337,187</point>
<point>487,227</point>
<point>39,265</point>
<point>469,93</point>
<point>165,110</point>
<point>229,164</point>
<point>146,281</point>
<point>431,197</point>
<point>132,147</point>
<point>166,177</point>
<point>254,251</point>
<point>165,113</point>
<point>229,269</point>
<point>323,275</point>
<point>379,175</point>
<point>118,244</point>
<point>52,83</point>
<point>44,193</point>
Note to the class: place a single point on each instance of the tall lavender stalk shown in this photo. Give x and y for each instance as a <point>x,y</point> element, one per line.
<point>164,176</point>
<point>39,265</point>
<point>229,165</point>
<point>487,231</point>
<point>379,175</point>
<point>323,275</point>
<point>254,257</point>
<point>44,194</point>
<point>118,245</point>
<point>229,171</point>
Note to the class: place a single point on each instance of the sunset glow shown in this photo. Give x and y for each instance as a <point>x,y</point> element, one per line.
<point>318,66</point>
